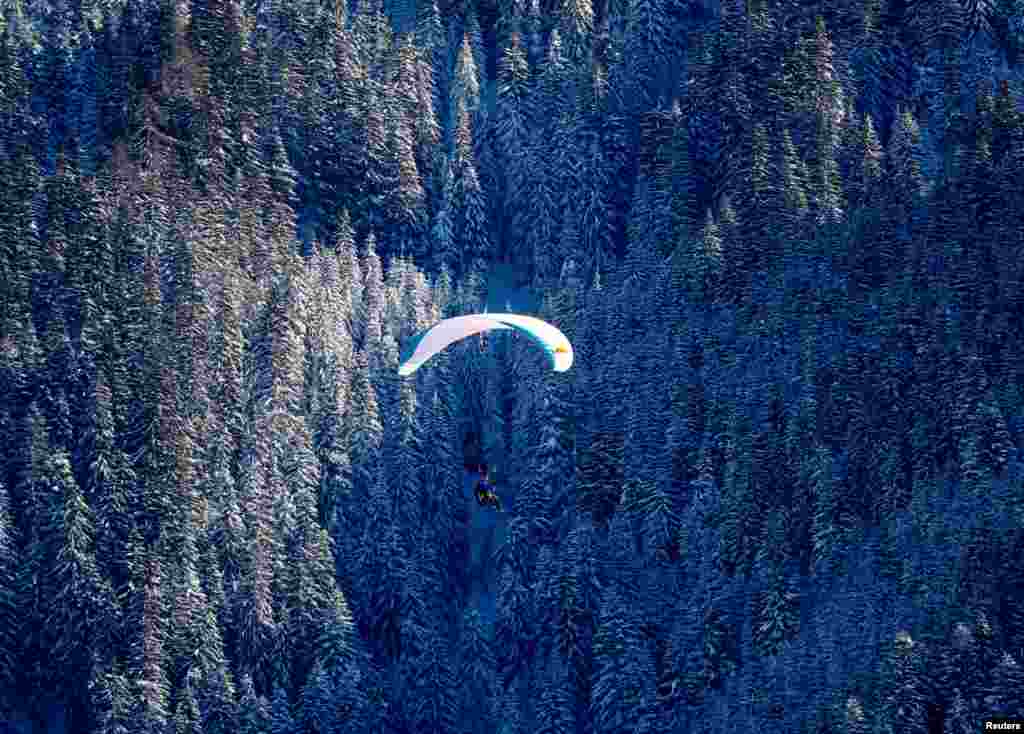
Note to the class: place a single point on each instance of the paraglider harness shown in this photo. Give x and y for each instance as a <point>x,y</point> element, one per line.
<point>485,494</point>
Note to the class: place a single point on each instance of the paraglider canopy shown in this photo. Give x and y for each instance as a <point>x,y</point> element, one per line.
<point>428,343</point>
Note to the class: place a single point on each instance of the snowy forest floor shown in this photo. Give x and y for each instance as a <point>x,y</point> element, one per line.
<point>508,290</point>
<point>487,532</point>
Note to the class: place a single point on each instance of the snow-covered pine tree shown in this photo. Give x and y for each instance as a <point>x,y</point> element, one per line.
<point>471,209</point>
<point>371,310</point>
<point>511,141</point>
<point>463,92</point>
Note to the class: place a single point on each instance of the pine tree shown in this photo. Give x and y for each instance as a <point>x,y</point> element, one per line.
<point>254,710</point>
<point>20,174</point>
<point>430,37</point>
<point>373,36</point>
<point>449,508</point>
<point>600,472</point>
<point>556,447</point>
<point>345,132</point>
<point>194,639</point>
<point>476,672</point>
<point>48,479</point>
<point>904,163</point>
<point>19,236</point>
<point>84,603</point>
<point>981,190</point>
<point>1008,681</point>
<point>680,177</point>
<point>514,624</point>
<point>828,522</point>
<point>407,199</point>
<point>388,601</point>
<point>187,719</point>
<point>878,255</point>
<point>319,623</point>
<point>596,252</point>
<point>644,55</point>
<point>227,547</point>
<point>576,27</point>
<point>623,679</point>
<point>790,171</point>
<point>555,708</point>
<point>332,365</point>
<point>216,697</point>
<point>442,232</point>
<point>906,699</point>
<point>870,164</point>
<point>156,421</point>
<point>212,33</point>
<point>63,192</point>
<point>737,496</point>
<point>365,429</point>
<point>540,217</point>
<point>261,482</point>
<point>509,21</point>
<point>550,99</point>
<point>777,607</point>
<point>371,310</point>
<point>828,110</point>
<point>349,271</point>
<point>511,140</point>
<point>436,707</point>
<point>474,34</point>
<point>147,672</point>
<point>427,126</point>
<point>464,91</point>
<point>8,609</point>
<point>110,700</point>
<point>57,388</point>
<point>281,721</point>
<point>472,224</point>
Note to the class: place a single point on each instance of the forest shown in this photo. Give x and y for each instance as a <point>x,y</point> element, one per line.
<point>780,490</point>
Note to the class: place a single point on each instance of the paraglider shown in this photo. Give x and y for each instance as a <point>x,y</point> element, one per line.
<point>485,494</point>
<point>428,343</point>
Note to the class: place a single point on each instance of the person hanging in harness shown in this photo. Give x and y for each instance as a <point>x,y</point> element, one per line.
<point>484,490</point>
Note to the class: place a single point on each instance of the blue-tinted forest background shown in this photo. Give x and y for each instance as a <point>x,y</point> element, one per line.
<point>781,489</point>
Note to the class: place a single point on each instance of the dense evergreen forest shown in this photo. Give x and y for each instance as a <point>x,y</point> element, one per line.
<point>781,490</point>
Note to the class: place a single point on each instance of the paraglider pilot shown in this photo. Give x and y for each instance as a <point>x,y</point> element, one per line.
<point>485,494</point>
